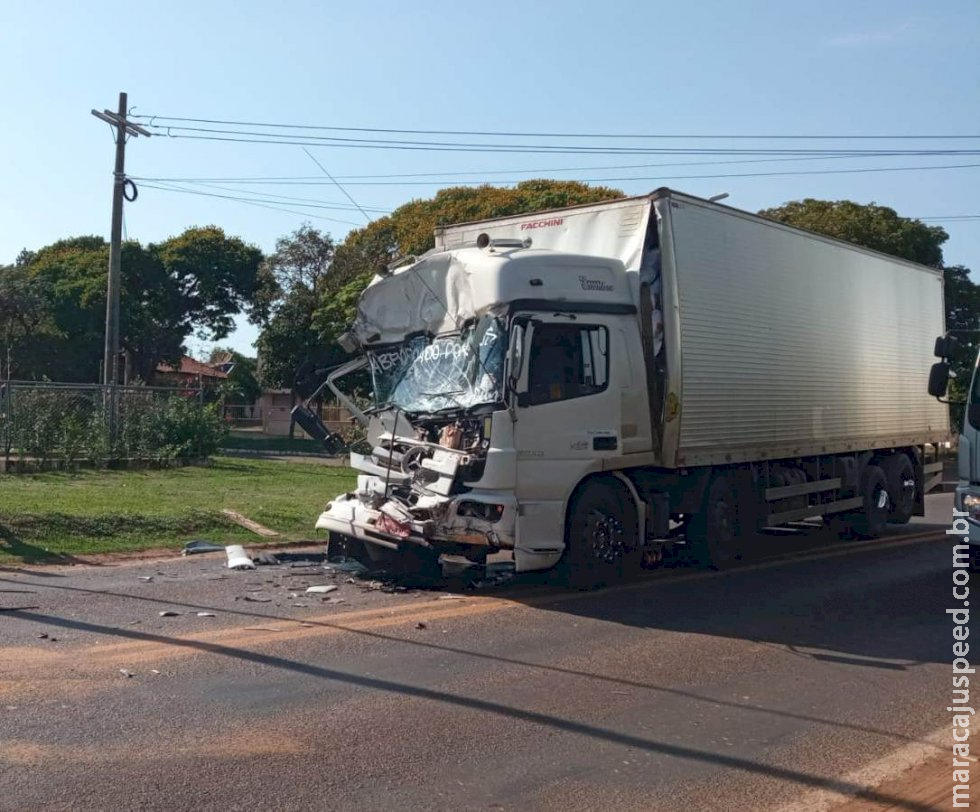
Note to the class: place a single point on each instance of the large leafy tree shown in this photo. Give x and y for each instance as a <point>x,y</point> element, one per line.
<point>409,230</point>
<point>293,280</point>
<point>196,281</point>
<point>883,229</point>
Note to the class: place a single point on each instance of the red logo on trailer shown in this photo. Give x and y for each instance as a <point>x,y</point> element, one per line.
<point>549,223</point>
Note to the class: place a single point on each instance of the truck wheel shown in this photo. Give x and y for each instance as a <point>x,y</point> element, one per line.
<point>868,522</point>
<point>902,486</point>
<point>340,547</point>
<point>714,531</point>
<point>600,538</point>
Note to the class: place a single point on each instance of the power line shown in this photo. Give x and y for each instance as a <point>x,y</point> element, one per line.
<point>657,178</point>
<point>503,134</point>
<point>252,136</point>
<point>346,193</point>
<point>272,205</point>
<point>321,204</point>
<point>285,179</point>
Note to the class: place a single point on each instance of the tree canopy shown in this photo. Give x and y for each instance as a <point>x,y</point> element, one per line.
<point>194,282</point>
<point>293,280</point>
<point>409,230</point>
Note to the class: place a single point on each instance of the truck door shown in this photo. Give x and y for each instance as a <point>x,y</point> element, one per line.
<point>567,412</point>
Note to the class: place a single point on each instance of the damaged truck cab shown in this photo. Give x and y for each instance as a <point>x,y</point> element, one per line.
<point>492,378</point>
<point>647,370</point>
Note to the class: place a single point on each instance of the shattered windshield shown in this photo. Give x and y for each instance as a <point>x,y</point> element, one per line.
<point>427,374</point>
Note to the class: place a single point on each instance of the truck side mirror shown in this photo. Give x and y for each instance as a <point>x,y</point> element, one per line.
<point>939,379</point>
<point>945,345</point>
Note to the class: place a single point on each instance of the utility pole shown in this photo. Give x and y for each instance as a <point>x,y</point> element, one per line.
<point>123,128</point>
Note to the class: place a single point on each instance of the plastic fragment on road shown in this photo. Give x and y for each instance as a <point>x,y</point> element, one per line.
<point>201,546</point>
<point>146,578</point>
<point>321,589</point>
<point>205,614</point>
<point>238,559</point>
<point>168,613</point>
<point>126,673</point>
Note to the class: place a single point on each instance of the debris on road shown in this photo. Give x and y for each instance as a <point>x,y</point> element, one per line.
<point>238,559</point>
<point>42,636</point>
<point>250,599</point>
<point>267,559</point>
<point>205,614</point>
<point>262,629</point>
<point>421,625</point>
<point>201,546</point>
<point>146,578</point>
<point>126,673</point>
<point>248,524</point>
<point>168,613</point>
<point>321,589</point>
<point>154,671</point>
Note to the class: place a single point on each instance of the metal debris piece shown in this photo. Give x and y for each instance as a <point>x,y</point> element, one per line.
<point>201,546</point>
<point>205,614</point>
<point>154,671</point>
<point>168,613</point>
<point>321,589</point>
<point>238,559</point>
<point>42,637</point>
<point>126,673</point>
<point>146,578</point>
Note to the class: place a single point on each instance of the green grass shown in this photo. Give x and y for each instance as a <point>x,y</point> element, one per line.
<point>264,443</point>
<point>65,514</point>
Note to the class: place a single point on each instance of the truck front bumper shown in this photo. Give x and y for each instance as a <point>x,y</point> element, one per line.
<point>459,524</point>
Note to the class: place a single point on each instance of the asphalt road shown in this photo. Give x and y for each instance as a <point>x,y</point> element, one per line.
<point>749,689</point>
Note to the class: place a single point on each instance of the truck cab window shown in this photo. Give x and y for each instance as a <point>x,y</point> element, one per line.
<point>567,361</point>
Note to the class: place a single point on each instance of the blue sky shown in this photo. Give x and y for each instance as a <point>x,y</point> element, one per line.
<point>723,68</point>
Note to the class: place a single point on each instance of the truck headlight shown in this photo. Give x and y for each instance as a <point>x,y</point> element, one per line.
<point>971,504</point>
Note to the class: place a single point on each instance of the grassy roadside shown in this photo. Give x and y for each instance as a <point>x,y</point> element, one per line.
<point>87,512</point>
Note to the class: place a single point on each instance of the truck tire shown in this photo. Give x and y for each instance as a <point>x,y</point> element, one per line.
<point>902,487</point>
<point>869,521</point>
<point>714,532</point>
<point>601,544</point>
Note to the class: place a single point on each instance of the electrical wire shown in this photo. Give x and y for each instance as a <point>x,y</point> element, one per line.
<point>659,178</point>
<point>540,171</point>
<point>261,196</point>
<point>346,193</point>
<point>252,136</point>
<point>272,205</point>
<point>149,119</point>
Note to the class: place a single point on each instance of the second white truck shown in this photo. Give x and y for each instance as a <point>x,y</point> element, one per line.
<point>585,387</point>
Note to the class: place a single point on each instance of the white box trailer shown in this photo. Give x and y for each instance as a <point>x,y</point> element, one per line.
<point>780,342</point>
<point>575,385</point>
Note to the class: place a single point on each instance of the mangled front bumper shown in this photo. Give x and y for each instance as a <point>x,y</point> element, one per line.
<point>475,519</point>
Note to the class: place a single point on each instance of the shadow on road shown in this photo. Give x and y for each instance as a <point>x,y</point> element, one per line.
<point>486,706</point>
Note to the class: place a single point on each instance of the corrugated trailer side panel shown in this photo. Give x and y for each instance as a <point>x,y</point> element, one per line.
<point>792,344</point>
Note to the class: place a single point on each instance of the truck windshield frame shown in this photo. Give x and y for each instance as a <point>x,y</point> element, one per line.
<point>427,374</point>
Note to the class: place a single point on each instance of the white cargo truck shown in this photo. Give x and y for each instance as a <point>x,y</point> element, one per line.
<point>588,386</point>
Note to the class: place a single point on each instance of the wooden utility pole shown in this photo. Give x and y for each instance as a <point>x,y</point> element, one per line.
<point>123,128</point>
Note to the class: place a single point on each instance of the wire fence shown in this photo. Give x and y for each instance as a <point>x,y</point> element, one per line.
<point>71,422</point>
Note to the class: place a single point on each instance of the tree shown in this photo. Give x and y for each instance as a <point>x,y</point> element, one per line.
<point>21,316</point>
<point>242,384</point>
<point>409,230</point>
<point>871,225</point>
<point>196,281</point>
<point>292,280</point>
